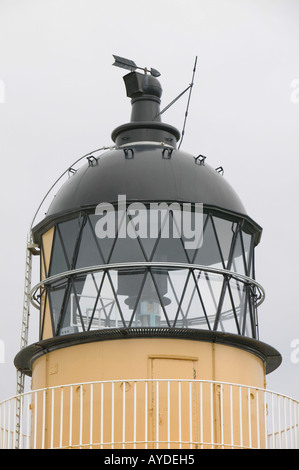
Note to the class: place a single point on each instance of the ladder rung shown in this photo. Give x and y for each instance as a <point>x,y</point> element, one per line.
<point>33,248</point>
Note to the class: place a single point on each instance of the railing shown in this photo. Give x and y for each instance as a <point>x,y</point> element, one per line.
<point>199,296</point>
<point>150,414</point>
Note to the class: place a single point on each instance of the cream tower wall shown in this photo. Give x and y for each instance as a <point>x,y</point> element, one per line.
<point>149,359</point>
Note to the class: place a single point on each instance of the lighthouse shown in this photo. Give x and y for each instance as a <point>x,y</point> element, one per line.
<point>148,299</point>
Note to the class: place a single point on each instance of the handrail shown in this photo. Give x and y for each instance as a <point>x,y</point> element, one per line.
<point>61,176</point>
<point>265,419</point>
<point>145,264</point>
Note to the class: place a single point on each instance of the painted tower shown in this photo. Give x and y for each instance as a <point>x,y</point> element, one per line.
<point>148,298</point>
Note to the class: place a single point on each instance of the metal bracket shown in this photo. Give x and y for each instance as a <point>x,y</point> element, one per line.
<point>126,151</point>
<point>169,153</point>
<point>200,160</point>
<point>33,248</point>
<point>92,161</point>
<point>72,171</point>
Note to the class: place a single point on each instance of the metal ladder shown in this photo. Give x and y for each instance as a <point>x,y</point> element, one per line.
<point>31,249</point>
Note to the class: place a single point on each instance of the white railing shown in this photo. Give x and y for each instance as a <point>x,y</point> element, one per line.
<point>163,414</point>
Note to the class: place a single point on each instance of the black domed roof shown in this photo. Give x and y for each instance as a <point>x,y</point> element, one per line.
<point>146,172</point>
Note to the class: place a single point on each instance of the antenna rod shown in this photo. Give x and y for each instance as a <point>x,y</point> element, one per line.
<point>172,102</point>
<point>188,103</point>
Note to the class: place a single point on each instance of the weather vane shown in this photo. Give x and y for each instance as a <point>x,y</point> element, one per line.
<point>130,65</point>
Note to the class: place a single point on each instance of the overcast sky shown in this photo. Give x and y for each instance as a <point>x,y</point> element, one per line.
<point>60,98</point>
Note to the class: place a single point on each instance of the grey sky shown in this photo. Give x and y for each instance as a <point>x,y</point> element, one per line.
<point>62,99</point>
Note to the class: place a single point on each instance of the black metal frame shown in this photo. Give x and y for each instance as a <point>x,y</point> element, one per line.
<point>240,314</point>
<point>244,319</point>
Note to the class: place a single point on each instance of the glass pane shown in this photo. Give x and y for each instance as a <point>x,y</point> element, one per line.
<point>72,317</point>
<point>248,248</point>
<point>238,264</point>
<point>171,250</point>
<point>69,232</point>
<point>209,254</point>
<point>224,230</point>
<point>148,238</point>
<point>107,304</point>
<point>87,297</point>
<point>243,307</point>
<point>58,260</point>
<point>192,310</point>
<point>106,243</point>
<point>159,233</point>
<point>149,312</point>
<point>127,247</point>
<point>170,284</point>
<point>191,252</point>
<point>89,253</point>
<point>56,296</point>
<point>228,321</point>
<point>92,307</point>
<point>210,288</point>
<point>131,288</point>
<point>126,250</point>
<point>249,327</point>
